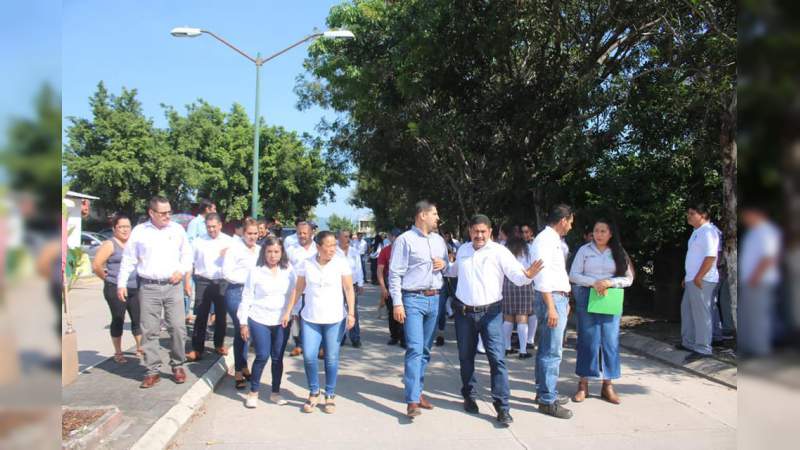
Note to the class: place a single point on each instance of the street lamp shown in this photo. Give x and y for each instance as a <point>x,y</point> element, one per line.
<point>259,61</point>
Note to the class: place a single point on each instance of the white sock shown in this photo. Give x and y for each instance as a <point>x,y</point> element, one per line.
<point>508,327</point>
<point>532,328</point>
<point>522,332</point>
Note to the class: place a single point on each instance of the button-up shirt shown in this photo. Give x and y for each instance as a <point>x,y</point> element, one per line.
<point>239,259</point>
<point>591,265</point>
<point>298,253</point>
<point>208,256</point>
<point>548,247</point>
<point>481,272</point>
<point>703,243</point>
<point>196,228</point>
<point>155,253</point>
<point>354,258</point>
<point>265,295</point>
<point>411,265</point>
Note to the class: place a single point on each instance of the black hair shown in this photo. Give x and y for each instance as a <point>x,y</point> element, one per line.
<point>621,258</point>
<point>117,217</point>
<point>701,208</point>
<point>155,200</point>
<point>320,237</point>
<point>204,204</point>
<point>423,206</point>
<point>560,211</point>
<point>517,246</point>
<point>480,219</point>
<point>269,241</point>
<point>213,216</point>
<point>507,229</point>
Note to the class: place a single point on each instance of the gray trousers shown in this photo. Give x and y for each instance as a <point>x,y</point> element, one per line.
<point>153,299</point>
<point>696,322</point>
<point>756,320</point>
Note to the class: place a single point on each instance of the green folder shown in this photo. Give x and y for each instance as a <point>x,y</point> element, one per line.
<point>611,303</point>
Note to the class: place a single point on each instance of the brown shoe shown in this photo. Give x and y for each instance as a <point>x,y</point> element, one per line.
<point>297,351</point>
<point>424,403</point>
<point>179,374</point>
<point>222,351</point>
<point>582,393</point>
<point>149,381</point>
<point>193,356</point>
<point>608,394</point>
<point>413,410</point>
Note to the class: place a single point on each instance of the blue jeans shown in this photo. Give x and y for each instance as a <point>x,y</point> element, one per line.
<point>548,355</point>
<point>421,313</point>
<point>329,335</point>
<point>489,326</point>
<point>355,332</point>
<point>233,296</point>
<point>444,293</point>
<point>598,340</point>
<point>268,341</point>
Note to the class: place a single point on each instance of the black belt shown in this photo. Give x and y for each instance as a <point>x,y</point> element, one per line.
<point>143,280</point>
<point>425,292</point>
<point>476,309</point>
<point>208,280</point>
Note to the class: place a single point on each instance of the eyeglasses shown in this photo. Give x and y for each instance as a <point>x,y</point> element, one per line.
<point>162,213</point>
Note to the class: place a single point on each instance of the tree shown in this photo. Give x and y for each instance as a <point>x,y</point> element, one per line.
<point>337,223</point>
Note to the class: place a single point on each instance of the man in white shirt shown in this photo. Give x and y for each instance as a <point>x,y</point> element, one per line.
<point>550,305</point>
<point>759,276</point>
<point>160,253</point>
<point>361,244</point>
<point>699,283</point>
<point>347,249</point>
<point>292,240</point>
<point>481,267</point>
<point>209,255</point>
<point>304,249</point>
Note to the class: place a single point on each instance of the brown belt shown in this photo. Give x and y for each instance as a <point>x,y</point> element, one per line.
<point>425,292</point>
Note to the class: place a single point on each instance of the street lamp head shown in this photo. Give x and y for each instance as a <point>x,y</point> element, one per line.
<point>339,34</point>
<point>186,32</point>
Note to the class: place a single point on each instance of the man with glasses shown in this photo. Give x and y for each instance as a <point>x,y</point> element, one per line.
<point>159,252</point>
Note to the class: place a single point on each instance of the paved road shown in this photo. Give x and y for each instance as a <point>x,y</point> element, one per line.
<point>663,408</point>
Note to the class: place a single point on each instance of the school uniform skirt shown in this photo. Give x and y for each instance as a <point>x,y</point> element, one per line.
<point>517,300</point>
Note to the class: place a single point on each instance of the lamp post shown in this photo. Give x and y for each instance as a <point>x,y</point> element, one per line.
<point>259,61</point>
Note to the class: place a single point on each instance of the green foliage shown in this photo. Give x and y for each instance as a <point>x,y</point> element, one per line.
<point>122,157</point>
<point>338,223</point>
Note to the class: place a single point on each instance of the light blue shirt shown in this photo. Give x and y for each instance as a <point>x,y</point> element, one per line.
<point>196,228</point>
<point>411,265</point>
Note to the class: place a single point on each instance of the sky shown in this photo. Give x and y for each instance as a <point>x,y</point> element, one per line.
<point>128,44</point>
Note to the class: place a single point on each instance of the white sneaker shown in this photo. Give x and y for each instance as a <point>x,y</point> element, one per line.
<point>277,399</point>
<point>251,401</point>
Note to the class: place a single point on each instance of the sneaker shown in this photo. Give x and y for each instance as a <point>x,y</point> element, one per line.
<point>555,410</point>
<point>439,341</point>
<point>276,398</point>
<point>251,401</point>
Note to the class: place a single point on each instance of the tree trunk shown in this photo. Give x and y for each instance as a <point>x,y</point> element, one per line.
<point>727,140</point>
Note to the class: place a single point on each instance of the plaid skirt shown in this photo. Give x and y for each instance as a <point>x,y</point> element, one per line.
<point>517,300</point>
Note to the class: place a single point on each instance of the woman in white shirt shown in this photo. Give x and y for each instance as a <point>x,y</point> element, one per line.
<point>600,264</point>
<point>266,293</point>
<point>239,259</point>
<point>325,279</point>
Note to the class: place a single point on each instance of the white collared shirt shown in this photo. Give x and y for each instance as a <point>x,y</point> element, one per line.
<point>239,259</point>
<point>265,295</point>
<point>324,297</point>
<point>761,241</point>
<point>703,243</point>
<point>297,254</point>
<point>155,253</point>
<point>354,258</point>
<point>548,247</point>
<point>481,273</point>
<point>290,241</point>
<point>591,265</point>
<point>208,256</point>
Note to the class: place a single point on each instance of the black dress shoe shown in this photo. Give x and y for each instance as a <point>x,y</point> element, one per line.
<point>403,344</point>
<point>504,417</point>
<point>528,346</point>
<point>694,356</point>
<point>525,355</point>
<point>439,341</point>
<point>392,341</point>
<point>470,406</point>
<point>357,344</point>
<point>681,347</point>
<point>510,351</point>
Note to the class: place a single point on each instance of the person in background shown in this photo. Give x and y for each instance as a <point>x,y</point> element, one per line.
<point>361,244</point>
<point>326,281</point>
<point>377,246</point>
<point>699,283</point>
<point>396,334</point>
<point>759,277</point>
<point>517,301</point>
<point>348,251</point>
<point>106,266</point>
<point>197,226</point>
<point>264,298</point>
<point>599,265</point>
<point>304,250</point>
<point>527,233</point>
<point>292,240</point>
<point>239,259</point>
<point>263,231</point>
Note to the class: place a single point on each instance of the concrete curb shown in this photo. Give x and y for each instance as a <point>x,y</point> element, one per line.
<point>710,368</point>
<point>164,430</point>
<point>101,428</point>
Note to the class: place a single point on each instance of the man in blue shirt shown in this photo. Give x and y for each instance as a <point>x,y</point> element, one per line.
<point>415,277</point>
<point>197,226</point>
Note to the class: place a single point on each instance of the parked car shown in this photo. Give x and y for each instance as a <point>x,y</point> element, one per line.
<point>90,242</point>
<point>106,233</point>
<point>286,232</point>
